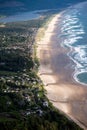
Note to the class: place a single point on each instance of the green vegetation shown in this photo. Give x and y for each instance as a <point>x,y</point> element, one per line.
<point>23,104</point>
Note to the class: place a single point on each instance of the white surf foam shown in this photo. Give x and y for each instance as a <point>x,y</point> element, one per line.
<point>73,31</point>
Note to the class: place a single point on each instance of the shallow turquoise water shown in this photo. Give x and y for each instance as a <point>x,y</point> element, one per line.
<point>82,77</point>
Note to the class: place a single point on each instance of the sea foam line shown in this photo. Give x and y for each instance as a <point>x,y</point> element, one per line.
<point>73,31</point>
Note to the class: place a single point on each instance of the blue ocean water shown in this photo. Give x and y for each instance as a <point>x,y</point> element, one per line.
<point>24,16</point>
<point>73,34</point>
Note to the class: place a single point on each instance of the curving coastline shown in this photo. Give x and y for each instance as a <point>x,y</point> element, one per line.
<point>56,73</point>
<point>73,35</point>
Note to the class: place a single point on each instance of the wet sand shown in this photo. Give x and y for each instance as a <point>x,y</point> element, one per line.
<point>56,72</point>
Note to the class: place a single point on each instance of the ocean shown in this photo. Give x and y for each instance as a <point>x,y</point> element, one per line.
<point>73,35</point>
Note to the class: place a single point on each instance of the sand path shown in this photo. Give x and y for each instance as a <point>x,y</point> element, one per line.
<point>56,73</point>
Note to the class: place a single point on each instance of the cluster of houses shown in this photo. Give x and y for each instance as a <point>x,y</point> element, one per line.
<point>27,93</point>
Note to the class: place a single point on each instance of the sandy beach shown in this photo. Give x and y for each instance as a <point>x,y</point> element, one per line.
<point>56,72</point>
<point>2,26</point>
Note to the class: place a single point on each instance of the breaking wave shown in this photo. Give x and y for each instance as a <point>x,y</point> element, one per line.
<point>73,28</point>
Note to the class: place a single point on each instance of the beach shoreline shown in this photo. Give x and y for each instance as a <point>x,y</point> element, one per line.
<point>56,73</point>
